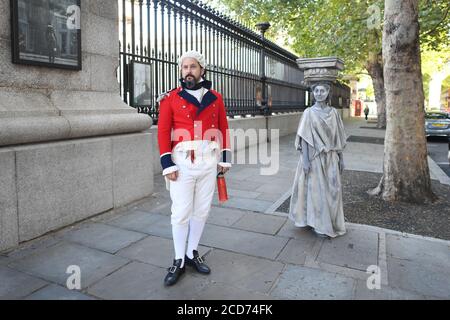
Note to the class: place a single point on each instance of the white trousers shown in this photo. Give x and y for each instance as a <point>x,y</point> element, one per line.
<point>193,191</point>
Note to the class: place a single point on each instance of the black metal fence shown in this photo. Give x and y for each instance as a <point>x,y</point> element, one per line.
<point>340,97</point>
<point>153,34</point>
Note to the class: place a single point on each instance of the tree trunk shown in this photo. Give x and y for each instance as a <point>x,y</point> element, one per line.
<point>374,66</point>
<point>406,175</point>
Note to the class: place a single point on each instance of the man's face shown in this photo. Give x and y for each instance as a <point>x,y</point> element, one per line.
<point>320,93</point>
<point>191,70</point>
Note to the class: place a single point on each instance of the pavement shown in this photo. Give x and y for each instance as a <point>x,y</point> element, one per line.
<point>254,251</point>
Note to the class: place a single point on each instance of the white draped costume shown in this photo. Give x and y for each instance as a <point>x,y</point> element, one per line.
<point>316,199</point>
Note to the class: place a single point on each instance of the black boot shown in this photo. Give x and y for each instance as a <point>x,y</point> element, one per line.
<point>175,273</point>
<point>197,262</point>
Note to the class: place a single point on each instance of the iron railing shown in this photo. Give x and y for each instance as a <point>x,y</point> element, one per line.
<point>154,33</point>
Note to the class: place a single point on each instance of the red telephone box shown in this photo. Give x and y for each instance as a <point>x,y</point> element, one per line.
<point>358,108</point>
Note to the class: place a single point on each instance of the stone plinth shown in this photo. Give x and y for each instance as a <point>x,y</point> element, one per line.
<point>320,69</point>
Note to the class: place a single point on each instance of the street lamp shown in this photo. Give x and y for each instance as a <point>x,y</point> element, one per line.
<point>262,28</point>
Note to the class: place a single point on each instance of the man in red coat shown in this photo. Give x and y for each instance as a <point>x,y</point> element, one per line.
<point>194,145</point>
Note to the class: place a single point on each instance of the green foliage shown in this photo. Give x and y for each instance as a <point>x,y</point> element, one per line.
<point>434,18</point>
<point>433,62</point>
<point>446,84</point>
<point>350,29</point>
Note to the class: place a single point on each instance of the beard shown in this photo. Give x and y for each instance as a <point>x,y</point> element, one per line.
<point>191,81</point>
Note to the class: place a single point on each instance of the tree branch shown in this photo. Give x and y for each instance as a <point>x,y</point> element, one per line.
<point>437,25</point>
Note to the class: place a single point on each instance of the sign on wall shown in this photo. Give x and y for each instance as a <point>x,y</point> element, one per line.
<point>46,33</point>
<point>140,84</point>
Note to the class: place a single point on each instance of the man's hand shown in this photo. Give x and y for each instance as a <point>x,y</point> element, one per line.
<point>222,169</point>
<point>172,176</point>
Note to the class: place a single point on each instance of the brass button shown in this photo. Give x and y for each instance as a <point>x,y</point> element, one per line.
<point>212,126</point>
<point>184,107</point>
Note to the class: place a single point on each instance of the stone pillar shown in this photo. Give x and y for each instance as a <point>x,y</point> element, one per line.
<point>69,147</point>
<point>320,69</point>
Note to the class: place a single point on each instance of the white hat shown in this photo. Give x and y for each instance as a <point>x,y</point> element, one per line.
<point>195,55</point>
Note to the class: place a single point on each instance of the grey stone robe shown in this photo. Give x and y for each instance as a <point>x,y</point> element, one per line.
<point>316,198</point>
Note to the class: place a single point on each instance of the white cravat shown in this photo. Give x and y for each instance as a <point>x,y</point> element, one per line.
<point>198,94</point>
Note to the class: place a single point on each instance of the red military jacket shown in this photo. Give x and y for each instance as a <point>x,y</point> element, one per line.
<point>180,110</point>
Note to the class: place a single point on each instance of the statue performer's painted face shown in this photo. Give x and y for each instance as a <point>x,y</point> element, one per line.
<point>320,93</point>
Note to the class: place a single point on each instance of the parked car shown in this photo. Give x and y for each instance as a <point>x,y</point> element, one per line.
<point>437,124</point>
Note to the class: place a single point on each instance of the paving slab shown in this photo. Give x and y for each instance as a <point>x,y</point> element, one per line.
<point>356,249</point>
<point>239,185</point>
<point>137,220</point>
<point>270,179</point>
<point>161,228</point>
<point>280,188</point>
<point>272,197</point>
<point>160,205</point>
<point>244,204</point>
<point>17,285</point>
<point>241,193</point>
<point>418,250</point>
<point>140,281</point>
<point>297,250</point>
<point>220,291</point>
<point>362,292</point>
<point>241,241</point>
<point>103,237</point>
<point>28,248</point>
<point>301,283</point>
<point>241,271</point>
<point>224,216</point>
<point>262,223</point>
<point>3,260</point>
<point>425,279</point>
<point>156,251</point>
<point>55,292</point>
<point>243,173</point>
<point>51,263</point>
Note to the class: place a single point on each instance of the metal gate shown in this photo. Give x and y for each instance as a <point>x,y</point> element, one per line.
<point>153,34</point>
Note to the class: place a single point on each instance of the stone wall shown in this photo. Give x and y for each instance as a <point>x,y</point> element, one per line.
<point>43,104</point>
<point>69,147</point>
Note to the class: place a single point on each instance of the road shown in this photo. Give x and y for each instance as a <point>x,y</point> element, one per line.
<point>438,151</point>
